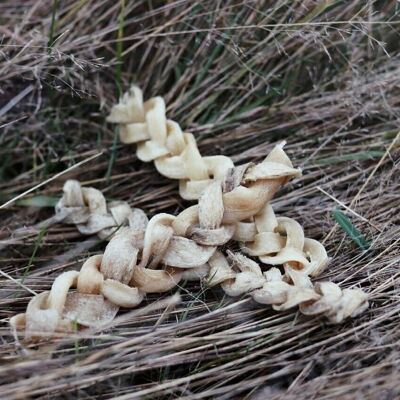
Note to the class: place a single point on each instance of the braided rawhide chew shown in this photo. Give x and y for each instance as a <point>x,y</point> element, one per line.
<point>175,154</point>
<point>87,209</point>
<point>232,204</point>
<point>115,279</point>
<point>186,246</point>
<point>243,275</point>
<point>247,188</point>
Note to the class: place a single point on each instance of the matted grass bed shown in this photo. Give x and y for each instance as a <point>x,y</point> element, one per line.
<point>242,76</point>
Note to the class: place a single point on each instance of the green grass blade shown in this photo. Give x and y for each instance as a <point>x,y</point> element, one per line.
<point>38,244</point>
<point>118,79</point>
<point>120,47</point>
<point>52,26</point>
<point>360,156</point>
<point>38,201</point>
<point>355,235</point>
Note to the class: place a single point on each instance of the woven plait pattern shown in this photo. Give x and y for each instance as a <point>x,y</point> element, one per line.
<point>175,154</point>
<point>153,256</point>
<point>88,210</point>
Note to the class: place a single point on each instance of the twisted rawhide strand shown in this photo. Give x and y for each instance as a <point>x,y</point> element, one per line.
<point>231,206</point>
<point>186,246</point>
<point>175,154</point>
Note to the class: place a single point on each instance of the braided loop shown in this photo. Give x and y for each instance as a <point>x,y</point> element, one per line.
<point>281,241</point>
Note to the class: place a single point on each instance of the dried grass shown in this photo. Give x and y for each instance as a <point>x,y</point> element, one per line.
<point>240,75</point>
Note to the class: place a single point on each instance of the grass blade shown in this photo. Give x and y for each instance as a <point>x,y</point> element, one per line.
<point>355,235</point>
<point>38,201</point>
<point>118,74</point>
<point>359,156</point>
<point>52,26</point>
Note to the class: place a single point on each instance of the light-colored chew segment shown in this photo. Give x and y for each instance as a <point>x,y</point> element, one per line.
<point>154,256</point>
<point>87,209</point>
<point>175,153</point>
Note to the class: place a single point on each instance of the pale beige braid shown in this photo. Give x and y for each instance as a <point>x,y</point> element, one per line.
<point>233,203</point>
<point>186,245</point>
<point>162,140</point>
<point>87,209</point>
<point>276,241</point>
<point>175,154</point>
<point>182,242</point>
<point>281,241</point>
<point>239,275</point>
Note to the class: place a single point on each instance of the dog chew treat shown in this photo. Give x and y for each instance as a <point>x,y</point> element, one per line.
<point>153,256</point>
<point>175,154</point>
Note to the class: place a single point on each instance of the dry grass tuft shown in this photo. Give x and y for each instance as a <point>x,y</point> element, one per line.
<point>240,75</point>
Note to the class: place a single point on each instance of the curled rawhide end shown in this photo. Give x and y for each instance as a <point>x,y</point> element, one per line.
<point>353,303</point>
<point>336,304</point>
<point>129,109</point>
